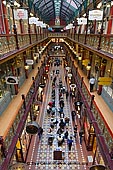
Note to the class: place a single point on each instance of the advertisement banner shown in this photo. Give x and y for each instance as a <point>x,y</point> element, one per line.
<point>104,81</point>
<point>11,80</point>
<point>82,21</point>
<point>20,14</point>
<point>95,15</point>
<point>29,62</point>
<point>33,20</point>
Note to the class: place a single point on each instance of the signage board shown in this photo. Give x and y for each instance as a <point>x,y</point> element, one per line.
<point>68,68</point>
<point>95,15</point>
<point>11,80</point>
<point>29,62</point>
<point>36,55</point>
<point>82,21</point>
<point>20,14</point>
<point>32,128</point>
<point>33,20</point>
<point>69,75</point>
<point>104,80</point>
<point>72,86</point>
<point>85,62</point>
<point>42,85</point>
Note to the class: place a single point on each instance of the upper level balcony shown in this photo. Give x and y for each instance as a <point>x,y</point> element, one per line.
<point>9,44</point>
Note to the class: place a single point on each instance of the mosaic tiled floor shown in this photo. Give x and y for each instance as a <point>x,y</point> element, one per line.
<point>76,159</point>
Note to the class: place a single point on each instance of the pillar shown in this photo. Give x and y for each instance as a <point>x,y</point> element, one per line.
<point>5,24</point>
<point>102,72</point>
<point>14,74</point>
<point>110,21</point>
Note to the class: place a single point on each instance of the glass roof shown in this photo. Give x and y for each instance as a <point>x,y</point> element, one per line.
<point>49,10</point>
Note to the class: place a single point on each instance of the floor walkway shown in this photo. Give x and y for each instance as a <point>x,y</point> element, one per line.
<point>41,155</point>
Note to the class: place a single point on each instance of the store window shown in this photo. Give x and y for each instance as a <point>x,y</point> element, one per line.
<point>107,91</point>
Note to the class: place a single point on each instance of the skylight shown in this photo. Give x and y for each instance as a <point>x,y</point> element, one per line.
<point>57,4</point>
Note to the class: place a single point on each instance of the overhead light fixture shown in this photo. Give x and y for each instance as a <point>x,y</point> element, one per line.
<point>8,5</point>
<point>99,5</point>
<point>88,67</point>
<point>79,58</point>
<point>84,15</point>
<point>4,2</point>
<point>26,67</point>
<point>31,14</point>
<point>16,4</point>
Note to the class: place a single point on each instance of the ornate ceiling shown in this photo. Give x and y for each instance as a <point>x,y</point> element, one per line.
<point>59,11</point>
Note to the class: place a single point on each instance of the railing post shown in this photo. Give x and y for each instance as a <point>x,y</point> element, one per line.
<point>82,81</point>
<point>29,30</point>
<point>92,99</point>
<point>14,27</point>
<point>3,147</point>
<point>24,103</point>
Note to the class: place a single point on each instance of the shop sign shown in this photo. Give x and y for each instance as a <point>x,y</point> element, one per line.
<point>78,103</point>
<point>97,167</point>
<point>11,80</point>
<point>73,86</point>
<point>69,75</point>
<point>95,15</point>
<point>18,166</point>
<point>29,62</point>
<point>85,62</point>
<point>36,55</point>
<point>68,68</point>
<point>104,81</point>
<point>33,20</point>
<point>42,85</point>
<point>32,128</point>
<point>20,14</point>
<point>82,21</point>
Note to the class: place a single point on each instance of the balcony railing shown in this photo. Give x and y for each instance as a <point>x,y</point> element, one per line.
<point>8,42</point>
<point>92,40</point>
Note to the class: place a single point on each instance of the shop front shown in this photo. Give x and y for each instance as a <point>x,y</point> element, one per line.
<point>89,135</point>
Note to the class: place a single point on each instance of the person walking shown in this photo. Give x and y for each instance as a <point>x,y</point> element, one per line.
<point>40,131</point>
<point>92,82</point>
<point>67,94</point>
<point>69,142</point>
<point>75,131</point>
<point>81,136</point>
<point>66,134</point>
<point>73,114</point>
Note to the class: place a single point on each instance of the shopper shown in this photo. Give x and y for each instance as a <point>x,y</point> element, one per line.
<point>40,132</point>
<point>67,94</point>
<point>66,134</point>
<point>60,139</point>
<point>73,114</point>
<point>92,82</point>
<point>81,136</point>
<point>75,131</point>
<point>69,142</point>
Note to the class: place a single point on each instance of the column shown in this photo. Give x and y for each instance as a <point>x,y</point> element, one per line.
<point>5,26</point>
<point>14,74</point>
<point>102,72</point>
<point>110,21</point>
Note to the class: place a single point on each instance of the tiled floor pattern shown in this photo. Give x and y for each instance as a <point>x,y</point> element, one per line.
<point>75,159</point>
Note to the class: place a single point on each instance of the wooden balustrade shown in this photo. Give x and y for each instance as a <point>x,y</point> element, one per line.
<point>97,114</point>
<point>8,42</point>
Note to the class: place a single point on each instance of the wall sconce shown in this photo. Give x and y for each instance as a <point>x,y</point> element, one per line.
<point>88,67</point>
<point>79,58</point>
<point>35,57</point>
<point>26,66</point>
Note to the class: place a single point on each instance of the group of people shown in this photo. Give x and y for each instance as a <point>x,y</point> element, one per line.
<point>60,121</point>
